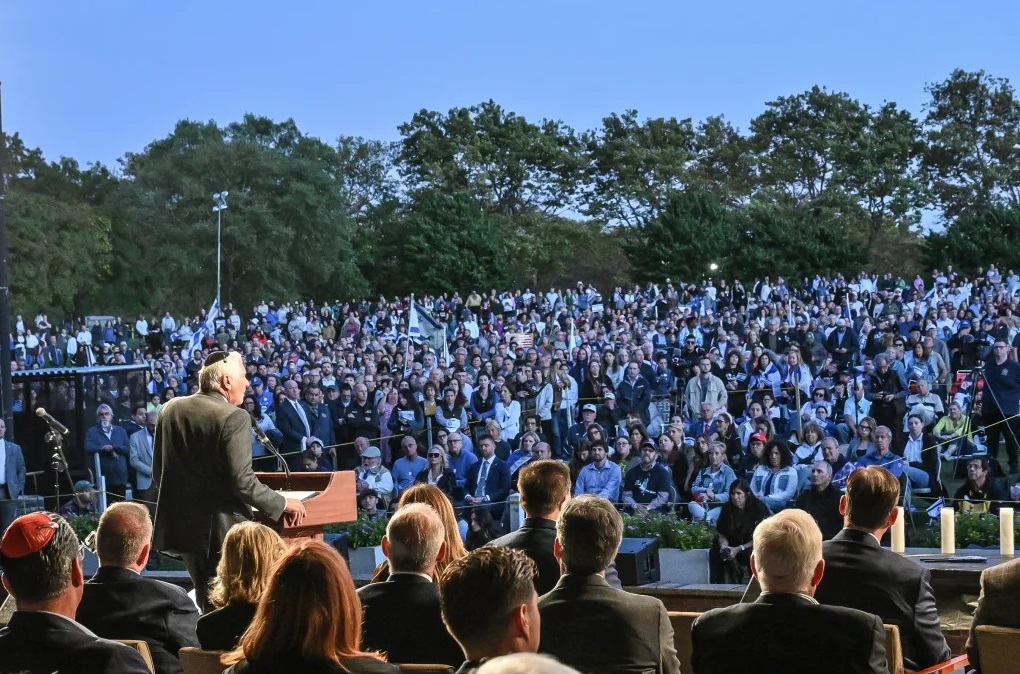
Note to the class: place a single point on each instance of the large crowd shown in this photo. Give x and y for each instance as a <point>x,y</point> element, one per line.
<point>672,397</point>
<point>710,400</point>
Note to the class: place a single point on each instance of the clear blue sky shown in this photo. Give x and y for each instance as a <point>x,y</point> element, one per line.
<point>93,80</point>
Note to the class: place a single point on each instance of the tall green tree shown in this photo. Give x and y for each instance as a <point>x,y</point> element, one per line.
<point>509,164</point>
<point>286,232</point>
<point>977,238</point>
<point>445,243</point>
<point>972,133</point>
<point>805,144</point>
<point>688,237</point>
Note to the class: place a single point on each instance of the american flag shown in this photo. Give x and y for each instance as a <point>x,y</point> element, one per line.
<point>523,339</point>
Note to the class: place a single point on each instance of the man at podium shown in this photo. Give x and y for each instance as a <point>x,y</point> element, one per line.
<point>202,464</point>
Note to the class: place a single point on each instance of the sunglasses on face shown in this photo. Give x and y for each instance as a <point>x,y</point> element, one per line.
<point>434,456</point>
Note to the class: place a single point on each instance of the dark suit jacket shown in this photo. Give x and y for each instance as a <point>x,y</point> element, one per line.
<point>497,484</point>
<point>535,539</point>
<point>595,628</point>
<point>45,642</point>
<point>221,629</point>
<point>288,422</point>
<point>121,604</point>
<point>861,574</point>
<point>202,465</point>
<point>296,665</point>
<point>14,469</point>
<point>403,620</point>
<point>999,603</point>
<point>788,633</point>
<point>114,466</point>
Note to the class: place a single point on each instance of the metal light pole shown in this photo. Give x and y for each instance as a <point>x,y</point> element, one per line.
<point>220,199</point>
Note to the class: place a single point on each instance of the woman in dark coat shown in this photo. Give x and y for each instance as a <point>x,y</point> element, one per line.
<point>730,555</point>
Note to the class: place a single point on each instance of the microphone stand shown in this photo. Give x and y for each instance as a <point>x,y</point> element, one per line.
<point>58,462</point>
<point>268,444</point>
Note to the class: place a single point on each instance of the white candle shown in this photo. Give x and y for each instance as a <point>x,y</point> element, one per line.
<point>899,537</point>
<point>1006,532</point>
<point>948,522</point>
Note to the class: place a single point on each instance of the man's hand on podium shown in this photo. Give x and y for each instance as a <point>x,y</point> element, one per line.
<point>294,512</point>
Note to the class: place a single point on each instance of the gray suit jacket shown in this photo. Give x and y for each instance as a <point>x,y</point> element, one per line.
<point>595,628</point>
<point>141,458</point>
<point>999,603</point>
<point>202,466</point>
<point>14,469</point>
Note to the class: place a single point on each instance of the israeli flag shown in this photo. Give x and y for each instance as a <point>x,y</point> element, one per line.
<point>206,329</point>
<point>935,509</point>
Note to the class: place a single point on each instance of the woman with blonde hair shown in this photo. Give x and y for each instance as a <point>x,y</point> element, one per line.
<point>308,620</point>
<point>250,550</point>
<point>428,494</point>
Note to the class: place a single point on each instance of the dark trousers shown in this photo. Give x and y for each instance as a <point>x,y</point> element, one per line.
<point>1008,429</point>
<point>202,569</point>
<point>115,492</point>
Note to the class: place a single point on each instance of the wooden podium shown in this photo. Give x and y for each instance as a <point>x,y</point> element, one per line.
<point>335,501</point>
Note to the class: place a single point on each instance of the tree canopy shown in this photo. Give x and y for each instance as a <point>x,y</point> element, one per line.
<point>482,197</point>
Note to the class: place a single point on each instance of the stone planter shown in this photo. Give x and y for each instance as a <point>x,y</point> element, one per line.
<point>683,567</point>
<point>364,561</point>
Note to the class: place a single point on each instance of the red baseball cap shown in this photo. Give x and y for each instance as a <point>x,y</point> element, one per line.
<point>758,437</point>
<point>28,534</point>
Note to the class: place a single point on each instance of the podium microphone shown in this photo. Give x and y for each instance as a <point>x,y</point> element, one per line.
<point>268,444</point>
<point>53,423</point>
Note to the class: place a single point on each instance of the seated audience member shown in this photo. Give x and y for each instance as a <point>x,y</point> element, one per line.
<point>861,574</point>
<point>43,572</point>
<point>118,603</point>
<point>406,468</point>
<point>588,534</point>
<point>980,493</point>
<point>373,475</point>
<point>454,534</point>
<point>83,502</point>
<point>310,461</point>
<point>440,474</point>
<point>775,479</point>
<point>730,555</point>
<point>786,630</point>
<point>711,486</point>
<point>540,451</point>
<point>839,467</point>
<point>250,550</point>
<point>882,455</point>
<point>488,479</point>
<point>402,615</point>
<point>544,487</point>
<point>821,500</point>
<point>368,503</point>
<point>490,605</point>
<point>921,456</point>
<point>601,477</point>
<point>481,530</point>
<point>646,488</point>
<point>308,620</point>
<point>997,605</point>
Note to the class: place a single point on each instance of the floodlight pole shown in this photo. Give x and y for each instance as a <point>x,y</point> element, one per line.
<point>5,296</point>
<point>220,199</point>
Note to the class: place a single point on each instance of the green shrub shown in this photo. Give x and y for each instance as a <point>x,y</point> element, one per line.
<point>977,529</point>
<point>670,530</point>
<point>363,533</point>
<point>83,525</point>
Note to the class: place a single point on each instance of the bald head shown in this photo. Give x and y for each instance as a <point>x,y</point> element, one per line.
<point>122,539</point>
<point>541,450</point>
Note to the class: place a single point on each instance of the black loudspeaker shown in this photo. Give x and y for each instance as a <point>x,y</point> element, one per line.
<point>637,561</point>
<point>341,545</point>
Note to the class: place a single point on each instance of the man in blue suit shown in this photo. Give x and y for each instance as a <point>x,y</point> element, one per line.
<point>111,443</point>
<point>12,476</point>
<point>12,472</point>
<point>292,420</point>
<point>488,479</point>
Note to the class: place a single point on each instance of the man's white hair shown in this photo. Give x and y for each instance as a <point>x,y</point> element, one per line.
<point>210,377</point>
<point>414,533</point>
<point>787,548</point>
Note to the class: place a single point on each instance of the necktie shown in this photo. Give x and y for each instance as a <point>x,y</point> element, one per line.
<point>483,475</point>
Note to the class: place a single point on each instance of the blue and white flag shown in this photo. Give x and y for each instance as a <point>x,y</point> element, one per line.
<point>935,509</point>
<point>421,326</point>
<point>206,329</point>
